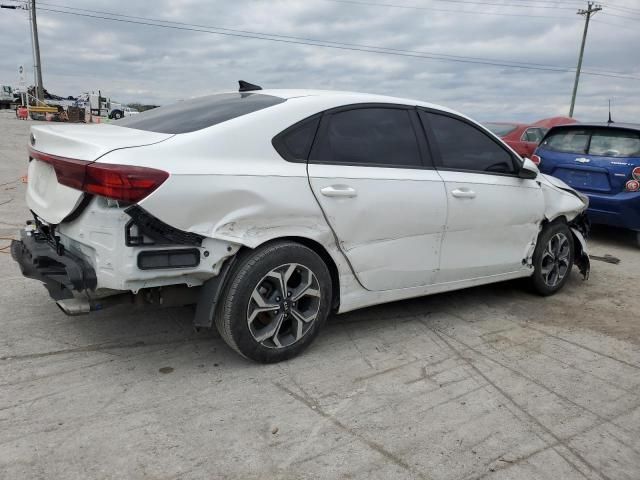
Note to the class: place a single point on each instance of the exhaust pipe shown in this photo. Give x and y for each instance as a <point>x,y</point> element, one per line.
<point>74,306</point>
<point>81,306</point>
<point>166,296</point>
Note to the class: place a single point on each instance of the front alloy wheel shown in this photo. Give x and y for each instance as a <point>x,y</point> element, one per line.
<point>555,260</point>
<point>552,258</point>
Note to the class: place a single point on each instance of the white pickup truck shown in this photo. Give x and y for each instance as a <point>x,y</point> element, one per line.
<point>120,111</point>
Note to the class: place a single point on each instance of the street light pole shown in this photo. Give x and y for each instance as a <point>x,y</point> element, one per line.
<point>591,10</point>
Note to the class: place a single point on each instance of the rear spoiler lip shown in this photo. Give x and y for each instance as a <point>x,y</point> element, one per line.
<point>50,158</point>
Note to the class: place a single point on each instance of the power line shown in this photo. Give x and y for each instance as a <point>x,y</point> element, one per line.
<point>390,5</point>
<point>432,9</point>
<point>341,46</point>
<point>615,6</point>
<point>508,5</point>
<point>373,4</point>
<point>328,44</point>
<point>360,48</point>
<point>626,17</point>
<point>314,40</point>
<point>485,3</point>
<point>617,25</point>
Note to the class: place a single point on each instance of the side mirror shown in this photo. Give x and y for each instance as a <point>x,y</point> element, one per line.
<point>529,170</point>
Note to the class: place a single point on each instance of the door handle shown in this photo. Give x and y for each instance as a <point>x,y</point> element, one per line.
<point>338,191</point>
<point>463,193</point>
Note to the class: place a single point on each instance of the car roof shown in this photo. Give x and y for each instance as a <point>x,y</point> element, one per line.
<point>347,97</point>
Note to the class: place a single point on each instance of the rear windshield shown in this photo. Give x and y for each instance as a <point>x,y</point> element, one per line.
<point>198,113</point>
<point>602,142</point>
<point>501,129</point>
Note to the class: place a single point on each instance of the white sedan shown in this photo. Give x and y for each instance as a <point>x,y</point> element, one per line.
<point>270,209</point>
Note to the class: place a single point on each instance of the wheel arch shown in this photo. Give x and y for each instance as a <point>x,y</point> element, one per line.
<point>326,257</point>
<point>579,228</point>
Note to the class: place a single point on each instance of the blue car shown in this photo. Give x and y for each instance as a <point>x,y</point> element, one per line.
<point>603,162</point>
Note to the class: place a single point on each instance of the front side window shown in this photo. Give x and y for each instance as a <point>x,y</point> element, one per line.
<point>464,147</point>
<point>368,136</point>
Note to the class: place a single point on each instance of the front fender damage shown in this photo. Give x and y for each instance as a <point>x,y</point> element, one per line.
<point>563,202</point>
<point>580,227</point>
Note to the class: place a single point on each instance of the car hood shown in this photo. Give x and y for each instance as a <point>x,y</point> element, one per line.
<point>561,199</point>
<point>560,185</point>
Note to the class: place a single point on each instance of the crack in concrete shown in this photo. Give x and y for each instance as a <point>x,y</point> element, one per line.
<point>101,347</point>
<point>314,407</point>
<point>532,418</point>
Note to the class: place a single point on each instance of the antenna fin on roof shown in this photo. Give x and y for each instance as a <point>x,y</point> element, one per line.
<point>610,121</point>
<point>248,87</point>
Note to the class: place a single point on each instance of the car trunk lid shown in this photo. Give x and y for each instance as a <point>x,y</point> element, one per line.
<point>75,146</point>
<point>579,171</point>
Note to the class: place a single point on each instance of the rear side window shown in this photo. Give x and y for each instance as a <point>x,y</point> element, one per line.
<point>198,113</point>
<point>295,142</point>
<point>534,135</point>
<point>614,143</point>
<point>465,147</point>
<point>568,141</point>
<point>382,137</point>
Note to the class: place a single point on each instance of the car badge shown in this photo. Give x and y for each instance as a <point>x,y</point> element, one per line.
<point>582,160</point>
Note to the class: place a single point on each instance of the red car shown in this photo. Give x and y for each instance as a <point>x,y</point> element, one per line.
<point>525,137</point>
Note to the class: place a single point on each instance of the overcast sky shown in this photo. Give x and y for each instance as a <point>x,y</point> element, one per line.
<point>140,63</point>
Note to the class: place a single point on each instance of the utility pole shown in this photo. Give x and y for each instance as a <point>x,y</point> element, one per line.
<point>588,13</point>
<point>37,74</point>
<point>36,50</point>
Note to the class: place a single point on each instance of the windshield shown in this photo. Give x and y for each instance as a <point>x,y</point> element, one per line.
<point>602,142</point>
<point>198,113</point>
<point>501,129</point>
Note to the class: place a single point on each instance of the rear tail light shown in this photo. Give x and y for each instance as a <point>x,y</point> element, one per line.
<point>70,172</point>
<point>632,186</point>
<point>122,182</point>
<point>536,159</point>
<point>119,182</point>
<point>636,173</point>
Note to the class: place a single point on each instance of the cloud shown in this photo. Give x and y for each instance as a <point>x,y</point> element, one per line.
<point>132,62</point>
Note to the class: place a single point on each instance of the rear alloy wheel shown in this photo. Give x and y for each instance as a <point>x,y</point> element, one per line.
<point>277,298</point>
<point>553,259</point>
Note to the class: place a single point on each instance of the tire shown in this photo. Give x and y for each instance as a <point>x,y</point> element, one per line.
<point>552,259</point>
<point>637,239</point>
<point>256,319</point>
<point>117,115</point>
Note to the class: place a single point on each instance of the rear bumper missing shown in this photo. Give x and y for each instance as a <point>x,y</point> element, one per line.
<point>61,273</point>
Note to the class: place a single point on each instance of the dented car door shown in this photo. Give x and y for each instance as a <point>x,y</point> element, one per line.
<point>372,176</point>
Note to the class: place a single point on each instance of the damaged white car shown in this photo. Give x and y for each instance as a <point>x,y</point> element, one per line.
<point>270,209</point>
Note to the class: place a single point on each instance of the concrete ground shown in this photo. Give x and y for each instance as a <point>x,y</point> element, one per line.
<point>491,382</point>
